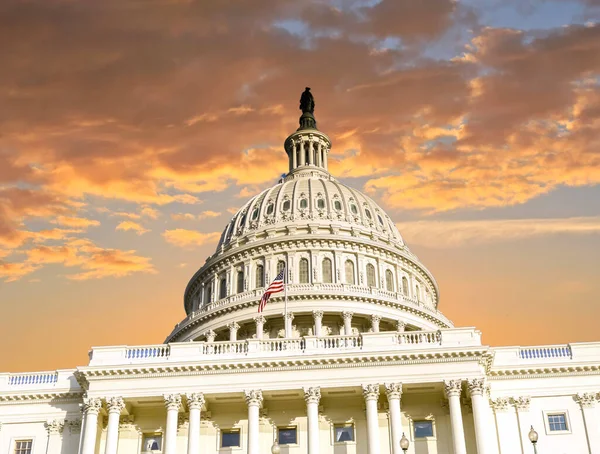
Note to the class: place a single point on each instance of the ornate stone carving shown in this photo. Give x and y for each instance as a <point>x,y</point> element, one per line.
<point>400,326</point>
<point>54,427</point>
<point>195,400</point>
<point>210,335</point>
<point>318,315</point>
<point>347,315</point>
<point>254,397</point>
<point>452,387</point>
<point>521,403</point>
<point>172,401</point>
<point>500,404</point>
<point>393,390</point>
<point>289,315</point>
<point>74,426</point>
<point>260,320</point>
<point>312,395</point>
<point>375,319</point>
<point>476,386</point>
<point>92,405</point>
<point>126,422</point>
<point>115,404</point>
<point>586,400</point>
<point>371,392</point>
<point>233,326</point>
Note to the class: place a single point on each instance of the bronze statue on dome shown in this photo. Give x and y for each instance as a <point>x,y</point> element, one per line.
<point>307,102</point>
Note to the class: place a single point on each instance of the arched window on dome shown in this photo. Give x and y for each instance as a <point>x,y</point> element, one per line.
<point>306,155</point>
<point>404,285</point>
<point>327,271</point>
<point>389,281</point>
<point>270,208</point>
<point>303,269</point>
<point>255,214</point>
<point>337,205</point>
<point>417,293</point>
<point>223,288</point>
<point>303,203</point>
<point>208,292</point>
<point>349,268</point>
<point>280,266</point>
<point>240,281</point>
<point>354,209</point>
<point>370,275</point>
<point>286,205</point>
<point>260,276</point>
<point>321,204</point>
<point>368,214</point>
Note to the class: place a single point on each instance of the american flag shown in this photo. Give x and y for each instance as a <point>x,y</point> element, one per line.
<point>276,286</point>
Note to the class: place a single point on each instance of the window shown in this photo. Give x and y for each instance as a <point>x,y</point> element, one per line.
<point>287,436</point>
<point>286,205</point>
<point>223,288</point>
<point>327,271</point>
<point>343,432</point>
<point>208,292</point>
<point>423,429</point>
<point>280,266</point>
<point>557,422</point>
<point>404,286</point>
<point>349,267</point>
<point>417,290</point>
<point>260,276</point>
<point>321,204</point>
<point>270,208</point>
<point>389,281</point>
<point>304,271</point>
<point>240,281</point>
<point>230,438</point>
<point>23,446</point>
<point>368,213</point>
<point>255,214</point>
<point>337,205</point>
<point>303,203</point>
<point>380,220</point>
<point>354,209</point>
<point>151,442</point>
<point>370,275</point>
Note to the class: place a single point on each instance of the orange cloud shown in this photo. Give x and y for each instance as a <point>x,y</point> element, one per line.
<point>189,238</point>
<point>75,222</point>
<point>126,226</point>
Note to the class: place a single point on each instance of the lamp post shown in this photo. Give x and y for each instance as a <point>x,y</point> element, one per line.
<point>533,438</point>
<point>275,449</point>
<point>404,443</point>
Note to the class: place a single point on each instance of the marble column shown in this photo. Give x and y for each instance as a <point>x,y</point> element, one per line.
<point>375,319</point>
<point>394,394</point>
<point>55,429</point>
<point>347,316</point>
<point>294,155</point>
<point>260,321</point>
<point>400,326</point>
<point>210,336</point>
<point>311,151</point>
<point>587,401</point>
<point>91,408</point>
<point>325,158</point>
<point>312,397</point>
<point>287,320</point>
<point>254,399</point>
<point>173,404</point>
<point>371,394</point>
<point>453,390</point>
<point>482,434</point>
<point>195,401</point>
<point>302,153</point>
<point>318,318</point>
<point>114,405</point>
<point>233,329</point>
<point>522,405</point>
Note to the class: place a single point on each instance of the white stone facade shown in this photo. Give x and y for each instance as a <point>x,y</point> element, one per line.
<point>369,358</point>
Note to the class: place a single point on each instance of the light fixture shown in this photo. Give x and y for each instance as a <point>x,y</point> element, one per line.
<point>275,449</point>
<point>404,442</point>
<point>533,438</point>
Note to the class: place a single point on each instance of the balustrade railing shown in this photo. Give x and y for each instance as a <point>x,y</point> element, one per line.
<point>224,348</point>
<point>420,337</point>
<point>546,352</point>
<point>34,378</point>
<point>150,351</point>
<point>339,342</point>
<point>281,345</point>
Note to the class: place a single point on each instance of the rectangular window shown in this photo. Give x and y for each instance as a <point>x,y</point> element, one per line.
<point>230,438</point>
<point>23,446</point>
<point>287,436</point>
<point>343,432</point>
<point>152,443</point>
<point>557,422</point>
<point>423,429</point>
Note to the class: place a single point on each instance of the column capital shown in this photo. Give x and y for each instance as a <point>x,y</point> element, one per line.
<point>393,390</point>
<point>195,400</point>
<point>92,405</point>
<point>375,318</point>
<point>233,326</point>
<point>453,387</point>
<point>400,326</point>
<point>347,315</point>
<point>260,319</point>
<point>476,386</point>
<point>371,391</point>
<point>317,314</point>
<point>54,427</point>
<point>172,401</point>
<point>312,395</point>
<point>74,425</point>
<point>500,404</point>
<point>289,315</point>
<point>254,397</point>
<point>210,335</point>
<point>115,404</point>
<point>586,400</point>
<point>521,403</point>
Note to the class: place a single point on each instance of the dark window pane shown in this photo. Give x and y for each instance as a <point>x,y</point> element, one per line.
<point>557,422</point>
<point>423,429</point>
<point>287,436</point>
<point>230,438</point>
<point>344,433</point>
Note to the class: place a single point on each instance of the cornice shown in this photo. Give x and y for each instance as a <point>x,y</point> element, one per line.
<point>544,372</point>
<point>49,397</point>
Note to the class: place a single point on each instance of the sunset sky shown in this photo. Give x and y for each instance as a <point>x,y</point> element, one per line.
<point>131,130</point>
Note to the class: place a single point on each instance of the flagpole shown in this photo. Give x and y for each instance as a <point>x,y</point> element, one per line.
<point>285,310</point>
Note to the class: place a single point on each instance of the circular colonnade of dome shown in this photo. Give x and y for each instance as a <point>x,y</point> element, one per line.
<point>345,261</point>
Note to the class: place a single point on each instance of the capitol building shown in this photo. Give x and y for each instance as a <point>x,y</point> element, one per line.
<point>355,357</point>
